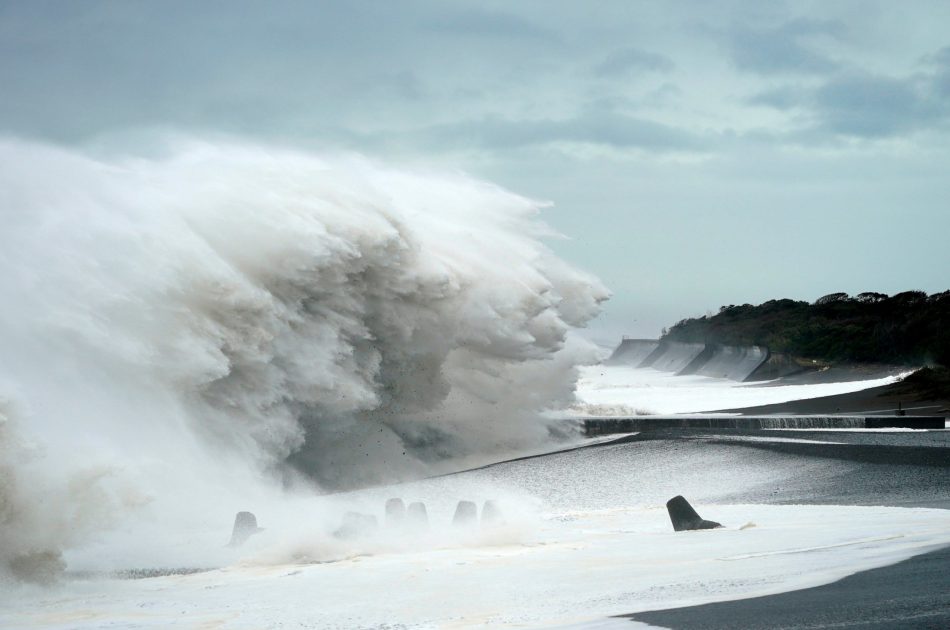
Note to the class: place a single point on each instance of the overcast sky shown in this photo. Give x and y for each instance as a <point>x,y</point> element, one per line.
<point>697,153</point>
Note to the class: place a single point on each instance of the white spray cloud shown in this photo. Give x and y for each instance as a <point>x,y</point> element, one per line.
<point>228,314</point>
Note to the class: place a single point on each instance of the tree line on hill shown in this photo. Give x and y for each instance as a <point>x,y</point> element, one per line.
<point>909,328</point>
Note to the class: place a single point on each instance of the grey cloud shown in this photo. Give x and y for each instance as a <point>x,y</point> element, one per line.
<point>871,106</point>
<point>864,105</point>
<point>665,94</point>
<point>607,129</point>
<point>778,98</point>
<point>781,49</point>
<point>941,63</point>
<point>627,60</point>
<point>481,23</point>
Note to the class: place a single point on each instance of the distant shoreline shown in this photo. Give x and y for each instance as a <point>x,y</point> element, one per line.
<point>914,593</point>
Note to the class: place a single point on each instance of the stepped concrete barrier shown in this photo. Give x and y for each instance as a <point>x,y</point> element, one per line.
<point>673,356</point>
<point>607,426</point>
<point>775,366</point>
<point>733,362</point>
<point>632,352</point>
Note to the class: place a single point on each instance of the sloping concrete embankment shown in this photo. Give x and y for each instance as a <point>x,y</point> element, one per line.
<point>673,356</point>
<point>632,352</point>
<point>733,362</point>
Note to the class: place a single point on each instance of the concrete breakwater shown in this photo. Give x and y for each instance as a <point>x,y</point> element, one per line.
<point>633,352</point>
<point>607,426</point>
<point>738,363</point>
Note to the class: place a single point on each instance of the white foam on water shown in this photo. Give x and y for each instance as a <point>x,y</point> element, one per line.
<point>585,536</point>
<point>623,391</point>
<point>767,438</point>
<point>556,569</point>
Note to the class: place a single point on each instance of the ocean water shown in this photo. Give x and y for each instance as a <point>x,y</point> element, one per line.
<point>584,535</point>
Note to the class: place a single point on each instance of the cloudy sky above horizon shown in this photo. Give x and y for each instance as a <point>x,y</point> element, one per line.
<point>697,153</point>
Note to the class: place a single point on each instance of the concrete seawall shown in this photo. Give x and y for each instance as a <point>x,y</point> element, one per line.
<point>607,426</point>
<point>733,362</point>
<point>632,352</point>
<point>673,356</point>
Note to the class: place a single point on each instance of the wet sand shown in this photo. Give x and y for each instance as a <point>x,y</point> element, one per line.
<point>907,469</point>
<point>914,593</point>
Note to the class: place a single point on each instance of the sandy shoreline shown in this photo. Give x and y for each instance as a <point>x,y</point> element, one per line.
<point>914,593</point>
<point>589,540</point>
<point>891,469</point>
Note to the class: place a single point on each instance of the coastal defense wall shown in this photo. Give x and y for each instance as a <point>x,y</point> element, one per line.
<point>776,366</point>
<point>673,356</point>
<point>633,352</point>
<point>733,362</point>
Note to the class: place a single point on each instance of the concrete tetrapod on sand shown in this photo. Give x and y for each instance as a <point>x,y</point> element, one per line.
<point>466,514</point>
<point>395,512</point>
<point>684,517</point>
<point>491,514</point>
<point>245,526</point>
<point>417,516</point>
<point>356,525</point>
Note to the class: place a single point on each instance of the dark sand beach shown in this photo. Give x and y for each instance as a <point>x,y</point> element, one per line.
<point>914,593</point>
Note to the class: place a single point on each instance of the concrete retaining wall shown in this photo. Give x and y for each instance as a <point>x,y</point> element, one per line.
<point>673,356</point>
<point>632,352</point>
<point>733,362</point>
<point>776,366</point>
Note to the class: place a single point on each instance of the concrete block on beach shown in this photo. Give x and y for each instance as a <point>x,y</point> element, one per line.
<point>466,514</point>
<point>491,514</point>
<point>684,517</point>
<point>245,526</point>
<point>417,516</point>
<point>395,512</point>
<point>357,525</point>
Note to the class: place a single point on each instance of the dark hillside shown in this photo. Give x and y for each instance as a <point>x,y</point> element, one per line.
<point>909,328</point>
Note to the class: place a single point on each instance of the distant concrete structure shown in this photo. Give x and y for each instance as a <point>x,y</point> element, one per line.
<point>357,525</point>
<point>685,518</point>
<point>417,516</point>
<point>737,363</point>
<point>245,526</point>
<point>632,352</point>
<point>673,356</point>
<point>491,514</point>
<point>395,512</point>
<point>466,514</point>
<point>777,365</point>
